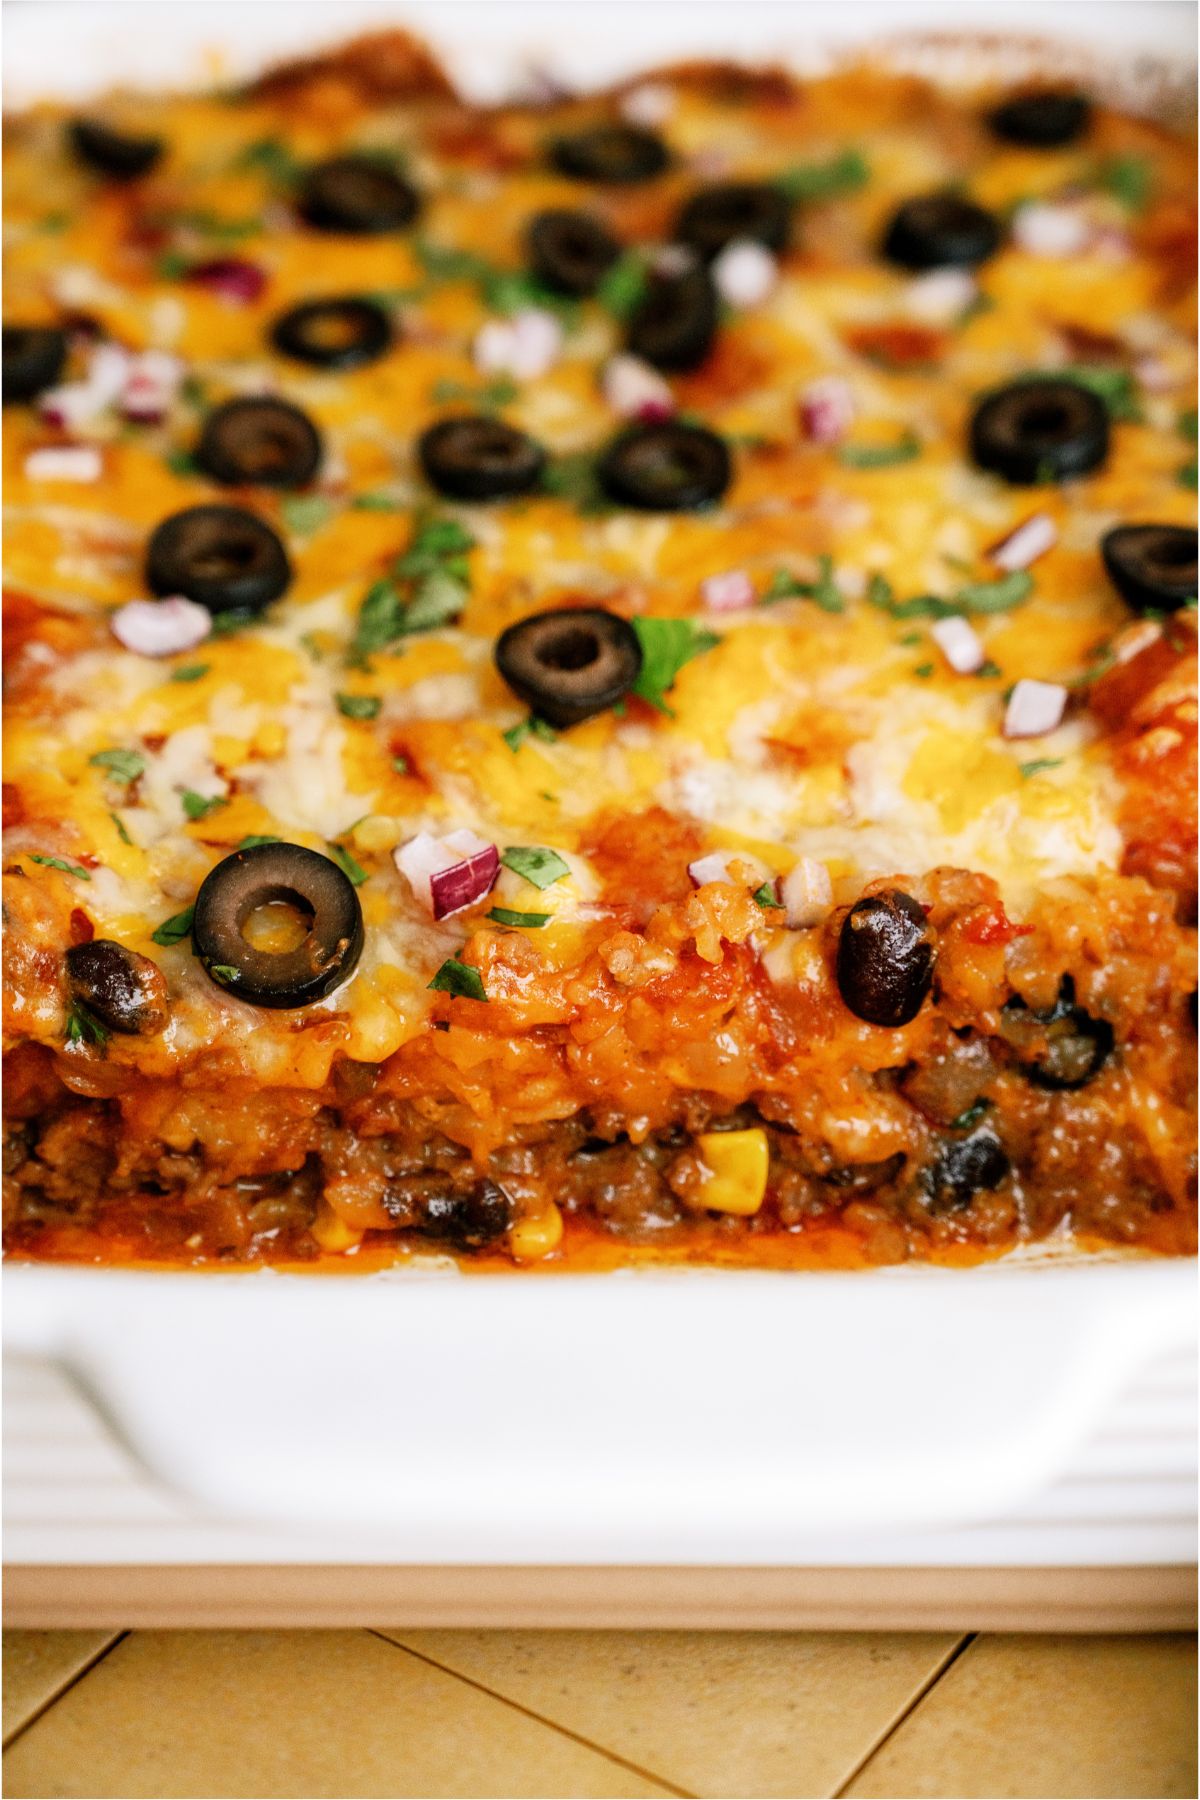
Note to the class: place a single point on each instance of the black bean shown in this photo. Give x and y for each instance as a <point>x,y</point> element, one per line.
<point>469,1220</point>
<point>126,991</point>
<point>885,958</point>
<point>962,1168</point>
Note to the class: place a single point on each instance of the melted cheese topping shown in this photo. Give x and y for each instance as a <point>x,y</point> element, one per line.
<point>840,736</point>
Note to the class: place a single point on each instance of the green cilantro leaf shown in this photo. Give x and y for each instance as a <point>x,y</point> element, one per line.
<point>122,766</point>
<point>535,864</point>
<point>273,157</point>
<point>621,287</point>
<point>766,896</point>
<point>83,1027</point>
<point>841,174</point>
<point>500,392</point>
<point>190,672</point>
<point>459,978</point>
<point>572,477</point>
<point>198,806</point>
<point>359,706</point>
<point>224,971</point>
<point>515,736</point>
<point>824,591</point>
<point>56,862</point>
<point>504,915</point>
<point>352,870</point>
<point>667,644</point>
<point>880,456</point>
<point>181,462</point>
<point>1038,764</point>
<point>119,823</point>
<point>254,838</point>
<point>305,513</point>
<point>972,1116</point>
<point>1129,179</point>
<point>175,929</point>
<point>376,503</point>
<point>994,596</point>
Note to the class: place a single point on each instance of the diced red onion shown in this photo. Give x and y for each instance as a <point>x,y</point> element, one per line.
<point>940,296</point>
<point>1035,708</point>
<point>64,462</point>
<point>448,873</point>
<point>151,386</point>
<point>1025,543</point>
<point>1046,230</point>
<point>745,273</point>
<point>635,390</point>
<point>161,627</point>
<point>807,893</point>
<point>826,409</point>
<point>959,643</point>
<point>649,105</point>
<point>730,592</point>
<point>525,346</point>
<point>230,277</point>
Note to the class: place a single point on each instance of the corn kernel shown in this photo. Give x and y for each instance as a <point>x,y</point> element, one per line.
<point>532,1239</point>
<point>736,1165</point>
<point>332,1233</point>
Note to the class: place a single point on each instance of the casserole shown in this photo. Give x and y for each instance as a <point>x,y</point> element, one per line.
<point>839,1493</point>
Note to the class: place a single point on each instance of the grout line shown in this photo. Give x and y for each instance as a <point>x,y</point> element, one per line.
<point>39,1712</point>
<point>540,1718</point>
<point>906,1712</point>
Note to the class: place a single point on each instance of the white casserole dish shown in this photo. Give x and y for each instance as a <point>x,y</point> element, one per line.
<point>674,1417</point>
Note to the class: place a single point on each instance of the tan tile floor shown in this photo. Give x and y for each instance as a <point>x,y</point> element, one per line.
<point>349,1713</point>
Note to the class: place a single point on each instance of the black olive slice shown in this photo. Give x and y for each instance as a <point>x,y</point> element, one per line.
<point>474,457</point>
<point>730,210</point>
<point>1043,118</point>
<point>341,332</point>
<point>1069,1046</point>
<point>220,556</point>
<point>962,1168</point>
<point>668,467</point>
<point>570,250</point>
<point>259,441</point>
<point>674,323</point>
<point>941,231</point>
<point>126,991</point>
<point>1037,431</point>
<point>278,875</point>
<point>113,153</point>
<point>356,194</point>
<point>885,958</point>
<point>569,664</point>
<point>612,153</point>
<point>1152,567</point>
<point>34,357</point>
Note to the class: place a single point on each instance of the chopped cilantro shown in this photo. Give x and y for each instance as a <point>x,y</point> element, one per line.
<point>346,863</point>
<point>181,462</point>
<point>766,896</point>
<point>226,623</point>
<point>880,456</point>
<point>667,644</point>
<point>84,1028</point>
<point>988,670</point>
<point>174,929</point>
<point>56,862</point>
<point>375,503</point>
<point>823,591</point>
<point>359,706</point>
<point>122,766</point>
<point>190,672</point>
<point>515,736</point>
<point>304,513</point>
<point>1038,764</point>
<point>171,266</point>
<point>500,392</point>
<point>535,864</point>
<point>310,644</point>
<point>622,285</point>
<point>400,764</point>
<point>254,838</point>
<point>504,915</point>
<point>224,971</point>
<point>911,639</point>
<point>55,222</point>
<point>459,978</point>
<point>198,806</point>
<point>1129,179</point>
<point>119,823</point>
<point>923,670</point>
<point>994,596</point>
<point>972,1116</point>
<point>427,587</point>
<point>572,477</point>
<point>841,174</point>
<point>273,157</point>
<point>502,290</point>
